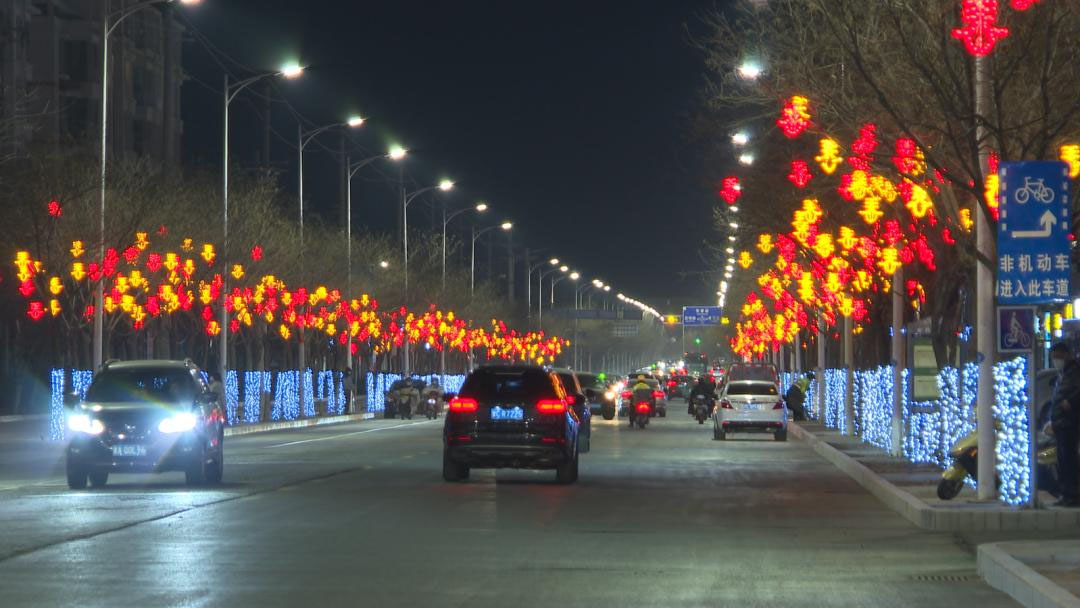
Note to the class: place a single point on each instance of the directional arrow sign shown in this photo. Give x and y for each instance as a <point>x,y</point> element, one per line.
<point>1047,220</point>
<point>1033,233</point>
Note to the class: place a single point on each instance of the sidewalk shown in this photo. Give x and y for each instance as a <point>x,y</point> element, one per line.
<point>911,489</point>
<point>1038,574</point>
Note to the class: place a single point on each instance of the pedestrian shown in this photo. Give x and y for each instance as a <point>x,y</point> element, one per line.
<point>796,396</point>
<point>1065,421</point>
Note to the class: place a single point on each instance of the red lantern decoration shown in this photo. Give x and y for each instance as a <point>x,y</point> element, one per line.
<point>730,190</point>
<point>256,253</point>
<point>795,117</point>
<point>980,32</point>
<point>36,310</point>
<point>55,209</point>
<point>1022,5</point>
<point>800,173</point>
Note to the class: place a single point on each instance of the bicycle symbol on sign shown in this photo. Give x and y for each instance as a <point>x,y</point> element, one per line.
<point>1016,337</point>
<point>1034,188</point>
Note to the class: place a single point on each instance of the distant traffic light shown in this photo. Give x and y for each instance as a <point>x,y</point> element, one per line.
<point>697,341</point>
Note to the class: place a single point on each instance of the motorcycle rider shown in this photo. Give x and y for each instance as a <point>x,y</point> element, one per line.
<point>1065,421</point>
<point>641,391</point>
<point>702,387</point>
<point>796,396</point>
<point>432,391</point>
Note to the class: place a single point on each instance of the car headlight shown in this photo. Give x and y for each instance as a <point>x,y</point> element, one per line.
<point>82,423</point>
<point>610,396</point>
<point>178,423</point>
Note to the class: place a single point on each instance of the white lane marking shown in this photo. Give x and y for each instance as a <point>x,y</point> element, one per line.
<point>340,435</point>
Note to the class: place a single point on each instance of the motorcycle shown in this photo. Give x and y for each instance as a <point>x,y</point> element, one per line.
<point>701,408</point>
<point>431,409</point>
<point>640,414</point>
<point>965,453</point>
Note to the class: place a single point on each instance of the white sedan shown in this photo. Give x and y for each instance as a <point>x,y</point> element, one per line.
<point>750,405</point>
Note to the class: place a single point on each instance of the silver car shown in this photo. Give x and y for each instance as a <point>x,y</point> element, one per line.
<point>750,405</point>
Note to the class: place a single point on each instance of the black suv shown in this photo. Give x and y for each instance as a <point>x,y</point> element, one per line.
<point>146,416</point>
<point>511,416</point>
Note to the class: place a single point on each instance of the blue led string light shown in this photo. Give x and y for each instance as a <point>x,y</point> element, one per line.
<point>342,400</point>
<point>57,426</point>
<point>252,397</point>
<point>232,397</point>
<point>1011,416</point>
<point>308,393</point>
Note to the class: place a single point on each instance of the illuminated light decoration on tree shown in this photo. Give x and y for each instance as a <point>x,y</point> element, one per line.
<point>1022,5</point>
<point>1070,154</point>
<point>883,188</point>
<point>823,245</point>
<point>55,209</point>
<point>765,243</point>
<point>965,220</point>
<point>864,147</point>
<point>871,210</point>
<point>208,254</point>
<point>847,238</point>
<point>256,253</point>
<point>794,117</point>
<point>918,199</point>
<point>730,190</point>
<point>800,173</point>
<point>991,190</point>
<point>131,254</point>
<point>745,260</point>
<point>909,158</point>
<point>26,288</point>
<point>237,271</point>
<point>829,157</point>
<point>56,286</point>
<point>141,241</point>
<point>78,271</point>
<point>890,260</point>
<point>187,245</point>
<point>980,32</point>
<point>35,310</point>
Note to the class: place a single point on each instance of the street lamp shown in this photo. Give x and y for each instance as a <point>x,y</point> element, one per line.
<point>479,208</point>
<point>505,226</point>
<point>528,284</point>
<point>740,139</point>
<point>303,138</point>
<point>749,70</point>
<point>108,24</point>
<point>443,186</point>
<point>352,169</point>
<point>554,262</point>
<point>231,90</point>
<point>746,159</point>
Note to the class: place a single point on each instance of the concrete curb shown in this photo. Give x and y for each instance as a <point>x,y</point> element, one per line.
<point>264,427</point>
<point>1001,570</point>
<point>940,519</point>
<point>22,417</point>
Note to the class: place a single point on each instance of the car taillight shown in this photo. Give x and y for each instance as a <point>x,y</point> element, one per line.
<point>671,383</point>
<point>643,407</point>
<point>779,405</point>
<point>726,404</point>
<point>658,394</point>
<point>464,405</point>
<point>626,394</point>
<point>551,406</point>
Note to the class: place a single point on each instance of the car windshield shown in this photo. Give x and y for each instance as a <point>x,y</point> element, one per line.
<point>142,385</point>
<point>751,388</point>
<point>511,386</point>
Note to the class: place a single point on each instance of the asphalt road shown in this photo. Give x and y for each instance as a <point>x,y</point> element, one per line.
<point>358,515</point>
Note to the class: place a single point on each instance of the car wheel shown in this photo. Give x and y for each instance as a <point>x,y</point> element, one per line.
<point>567,472</point>
<point>76,476</point>
<point>98,479</point>
<point>453,471</point>
<point>216,469</point>
<point>609,414</point>
<point>781,435</point>
<point>195,474</point>
<point>947,489</point>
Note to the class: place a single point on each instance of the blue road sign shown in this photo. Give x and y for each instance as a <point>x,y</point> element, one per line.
<point>1033,233</point>
<point>1016,329</point>
<point>700,315</point>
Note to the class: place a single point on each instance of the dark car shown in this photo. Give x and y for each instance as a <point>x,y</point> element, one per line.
<point>511,416</point>
<point>576,398</point>
<point>146,416</point>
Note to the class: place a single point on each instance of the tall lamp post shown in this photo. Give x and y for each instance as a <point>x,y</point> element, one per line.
<point>395,153</point>
<point>540,295</point>
<point>109,21</point>
<point>528,283</point>
<point>303,138</point>
<point>472,258</point>
<point>231,90</point>
<point>479,208</point>
<point>443,186</point>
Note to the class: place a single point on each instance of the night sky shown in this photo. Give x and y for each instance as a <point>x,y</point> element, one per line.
<point>572,118</point>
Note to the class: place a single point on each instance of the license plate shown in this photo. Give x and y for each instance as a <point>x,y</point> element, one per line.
<point>129,451</point>
<point>512,413</point>
<point>751,406</point>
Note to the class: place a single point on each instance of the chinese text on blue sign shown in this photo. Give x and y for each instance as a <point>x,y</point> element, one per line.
<point>701,315</point>
<point>1033,243</point>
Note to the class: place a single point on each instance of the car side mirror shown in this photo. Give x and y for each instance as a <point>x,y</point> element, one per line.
<point>72,399</point>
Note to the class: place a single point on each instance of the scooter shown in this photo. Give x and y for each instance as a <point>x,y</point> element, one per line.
<point>965,453</point>
<point>701,408</point>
